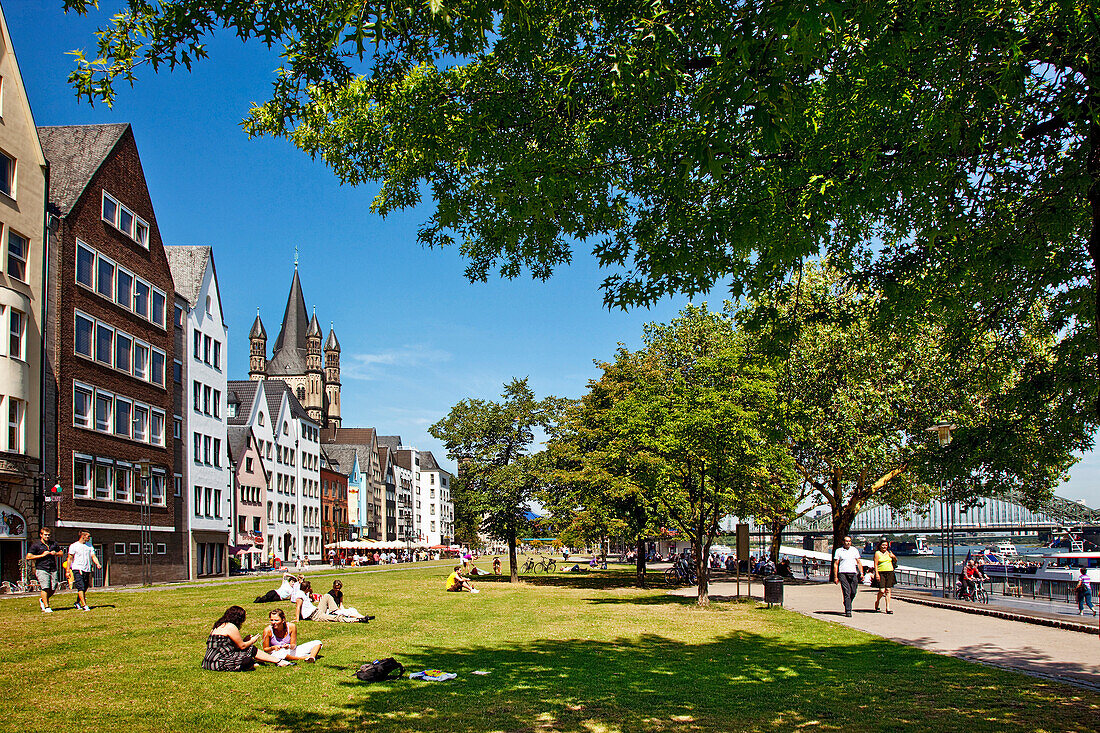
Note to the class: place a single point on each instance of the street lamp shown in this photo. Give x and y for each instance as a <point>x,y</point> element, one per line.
<point>943,429</point>
<point>146,534</point>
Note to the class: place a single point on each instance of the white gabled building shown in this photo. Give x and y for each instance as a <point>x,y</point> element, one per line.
<point>290,443</point>
<point>204,470</point>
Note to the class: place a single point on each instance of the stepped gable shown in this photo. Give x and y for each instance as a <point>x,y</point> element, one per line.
<point>188,265</point>
<point>75,153</point>
<point>289,356</point>
<point>245,392</point>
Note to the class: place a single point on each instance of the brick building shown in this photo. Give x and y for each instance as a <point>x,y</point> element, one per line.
<point>110,347</point>
<point>334,503</point>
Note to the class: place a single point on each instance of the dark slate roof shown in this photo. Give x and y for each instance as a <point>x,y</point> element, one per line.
<point>188,264</point>
<point>332,344</point>
<point>237,439</point>
<point>393,442</point>
<point>428,463</point>
<point>289,356</point>
<point>348,436</point>
<point>274,389</point>
<point>75,153</point>
<point>343,457</point>
<point>245,391</point>
<point>314,327</point>
<point>384,458</point>
<point>258,328</point>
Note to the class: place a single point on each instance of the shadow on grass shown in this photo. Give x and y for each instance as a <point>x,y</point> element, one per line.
<point>741,681</point>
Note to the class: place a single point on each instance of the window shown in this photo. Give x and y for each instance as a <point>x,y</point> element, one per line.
<point>123,479</point>
<point>85,265</point>
<point>179,317</point>
<point>141,361</point>
<point>218,503</point>
<point>156,428</point>
<point>141,235</point>
<point>16,415</point>
<point>158,367</point>
<point>177,482</point>
<point>123,352</point>
<point>17,256</point>
<point>162,548</point>
<point>158,308</point>
<point>177,372</point>
<point>196,395</point>
<point>7,174</point>
<point>208,494</point>
<point>104,342</point>
<point>110,209</point>
<point>103,411</point>
<point>177,427</point>
<point>206,349</point>
<point>124,290</point>
<point>218,452</point>
<point>103,480</point>
<point>218,355</point>
<point>198,501</point>
<point>120,548</point>
<point>206,392</point>
<point>248,464</point>
<point>198,344</point>
<point>206,449</point>
<point>84,328</point>
<point>141,298</point>
<point>217,403</point>
<point>82,406</point>
<point>198,448</point>
<point>135,548</point>
<point>126,221</point>
<point>82,476</point>
<point>156,489</point>
<point>105,278</point>
<point>18,330</point>
<point>141,423</point>
<point>122,417</point>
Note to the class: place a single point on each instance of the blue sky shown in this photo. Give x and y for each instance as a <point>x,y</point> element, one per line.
<point>416,336</point>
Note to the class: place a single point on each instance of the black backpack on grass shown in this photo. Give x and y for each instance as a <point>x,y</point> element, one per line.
<point>380,670</point>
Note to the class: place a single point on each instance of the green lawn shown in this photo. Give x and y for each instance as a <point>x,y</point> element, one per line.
<point>585,654</point>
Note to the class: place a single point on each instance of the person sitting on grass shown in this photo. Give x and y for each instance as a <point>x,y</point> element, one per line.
<point>228,651</point>
<point>280,640</point>
<point>458,582</point>
<point>496,566</point>
<point>337,594</point>
<point>325,610</point>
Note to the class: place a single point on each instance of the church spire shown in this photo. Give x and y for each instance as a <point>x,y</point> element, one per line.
<point>289,356</point>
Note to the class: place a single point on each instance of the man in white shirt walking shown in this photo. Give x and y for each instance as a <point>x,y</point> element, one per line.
<point>81,558</point>
<point>847,569</point>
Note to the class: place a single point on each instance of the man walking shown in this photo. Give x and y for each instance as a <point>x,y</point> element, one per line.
<point>847,569</point>
<point>45,554</point>
<point>81,558</point>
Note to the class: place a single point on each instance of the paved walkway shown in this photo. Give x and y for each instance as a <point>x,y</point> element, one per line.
<point>1068,656</point>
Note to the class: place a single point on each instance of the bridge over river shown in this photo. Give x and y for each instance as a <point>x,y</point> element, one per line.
<point>989,517</point>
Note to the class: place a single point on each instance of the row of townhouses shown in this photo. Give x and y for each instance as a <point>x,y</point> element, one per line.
<point>120,416</point>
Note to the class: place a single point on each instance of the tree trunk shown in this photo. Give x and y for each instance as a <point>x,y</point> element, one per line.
<point>639,562</point>
<point>777,540</point>
<point>512,562</point>
<point>702,571</point>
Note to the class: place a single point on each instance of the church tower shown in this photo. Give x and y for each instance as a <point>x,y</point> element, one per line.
<point>257,337</point>
<point>314,396</point>
<point>332,379</point>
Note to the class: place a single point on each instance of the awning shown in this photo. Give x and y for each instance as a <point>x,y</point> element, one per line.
<point>245,550</point>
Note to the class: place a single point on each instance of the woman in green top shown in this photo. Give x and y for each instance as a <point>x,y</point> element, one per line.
<point>885,562</point>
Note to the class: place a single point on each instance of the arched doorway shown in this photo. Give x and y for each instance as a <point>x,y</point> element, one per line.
<point>13,540</point>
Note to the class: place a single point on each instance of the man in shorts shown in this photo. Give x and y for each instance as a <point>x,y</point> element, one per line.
<point>458,582</point>
<point>81,558</point>
<point>45,554</point>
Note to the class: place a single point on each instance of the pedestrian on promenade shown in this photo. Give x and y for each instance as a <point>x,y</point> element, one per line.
<point>1084,593</point>
<point>45,554</point>
<point>81,558</point>
<point>885,563</point>
<point>847,569</point>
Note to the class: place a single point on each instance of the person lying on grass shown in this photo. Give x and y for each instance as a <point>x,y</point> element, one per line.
<point>282,593</point>
<point>228,651</point>
<point>281,640</point>
<point>325,610</point>
<point>458,582</point>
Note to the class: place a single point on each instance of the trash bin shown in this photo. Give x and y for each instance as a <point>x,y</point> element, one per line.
<point>773,590</point>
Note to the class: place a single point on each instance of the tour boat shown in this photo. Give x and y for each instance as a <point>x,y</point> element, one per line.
<point>1063,566</point>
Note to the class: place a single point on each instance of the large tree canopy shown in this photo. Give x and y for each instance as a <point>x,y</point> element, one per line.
<point>946,147</point>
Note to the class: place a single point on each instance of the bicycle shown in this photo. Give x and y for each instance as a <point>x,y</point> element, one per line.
<point>679,574</point>
<point>529,567</point>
